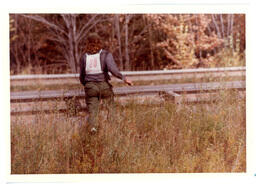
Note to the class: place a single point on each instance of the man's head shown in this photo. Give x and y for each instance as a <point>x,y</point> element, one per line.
<point>93,43</point>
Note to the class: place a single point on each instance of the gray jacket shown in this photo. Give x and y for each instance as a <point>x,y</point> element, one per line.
<point>107,64</point>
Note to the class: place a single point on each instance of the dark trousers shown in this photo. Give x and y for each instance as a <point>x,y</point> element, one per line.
<point>94,93</point>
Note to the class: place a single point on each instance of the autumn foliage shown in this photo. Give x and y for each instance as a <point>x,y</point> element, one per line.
<point>53,43</point>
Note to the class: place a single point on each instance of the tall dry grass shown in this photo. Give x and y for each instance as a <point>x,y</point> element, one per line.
<point>144,138</point>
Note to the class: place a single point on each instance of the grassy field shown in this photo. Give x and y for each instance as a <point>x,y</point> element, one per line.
<point>144,138</point>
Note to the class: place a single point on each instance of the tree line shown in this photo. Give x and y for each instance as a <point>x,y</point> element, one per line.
<point>54,43</point>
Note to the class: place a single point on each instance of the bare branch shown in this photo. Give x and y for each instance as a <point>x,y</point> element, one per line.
<point>59,39</point>
<point>216,26</point>
<point>44,21</point>
<point>129,17</point>
<point>83,34</point>
<point>117,30</point>
<point>231,24</point>
<point>222,26</point>
<point>137,37</point>
<point>170,56</point>
<point>84,27</point>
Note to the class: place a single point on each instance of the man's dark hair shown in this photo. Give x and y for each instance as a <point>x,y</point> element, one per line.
<point>93,43</point>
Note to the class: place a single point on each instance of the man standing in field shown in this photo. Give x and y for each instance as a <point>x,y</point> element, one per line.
<point>94,67</point>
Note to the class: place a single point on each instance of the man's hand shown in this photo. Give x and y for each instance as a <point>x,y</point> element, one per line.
<point>127,81</point>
